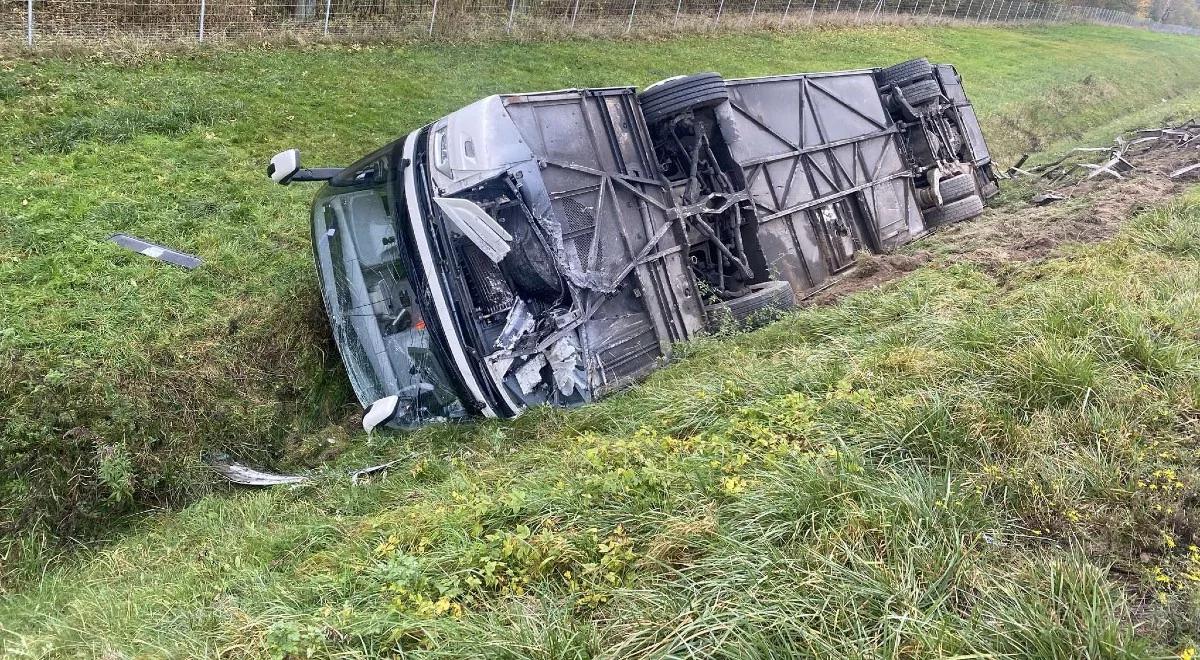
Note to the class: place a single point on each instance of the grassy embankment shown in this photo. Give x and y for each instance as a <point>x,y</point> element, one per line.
<point>951,465</point>
<point>964,464</point>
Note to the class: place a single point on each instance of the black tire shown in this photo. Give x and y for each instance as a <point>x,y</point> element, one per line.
<point>905,72</point>
<point>957,187</point>
<point>951,212</point>
<point>921,92</point>
<point>530,266</point>
<point>668,98</point>
<point>773,296</point>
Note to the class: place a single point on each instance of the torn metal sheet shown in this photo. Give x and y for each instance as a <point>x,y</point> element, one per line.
<point>1184,170</point>
<point>247,476</point>
<point>1115,167</point>
<point>358,475</point>
<point>155,251</point>
<point>1046,198</point>
<point>518,324</point>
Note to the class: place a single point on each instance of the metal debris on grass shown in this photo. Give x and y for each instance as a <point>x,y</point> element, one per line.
<point>1115,163</point>
<point>243,475</point>
<point>357,475</point>
<point>1045,198</point>
<point>1184,170</point>
<point>155,251</point>
<point>247,476</point>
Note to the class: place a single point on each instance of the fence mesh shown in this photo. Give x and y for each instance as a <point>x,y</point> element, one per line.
<point>46,22</point>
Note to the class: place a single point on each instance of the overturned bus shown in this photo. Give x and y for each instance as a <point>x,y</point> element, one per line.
<point>551,247</point>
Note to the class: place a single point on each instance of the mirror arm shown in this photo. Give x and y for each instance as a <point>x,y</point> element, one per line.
<point>315,174</point>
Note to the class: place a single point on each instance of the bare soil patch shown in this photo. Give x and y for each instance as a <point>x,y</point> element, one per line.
<point>1093,210</point>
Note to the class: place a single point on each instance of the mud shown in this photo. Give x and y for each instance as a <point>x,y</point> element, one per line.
<point>1022,231</point>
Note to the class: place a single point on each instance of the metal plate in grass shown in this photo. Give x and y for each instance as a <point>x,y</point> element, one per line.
<point>155,251</point>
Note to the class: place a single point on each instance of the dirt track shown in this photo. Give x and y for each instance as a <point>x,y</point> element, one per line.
<point>1092,211</point>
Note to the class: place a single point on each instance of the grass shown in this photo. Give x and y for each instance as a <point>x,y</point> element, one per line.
<point>955,466</point>
<point>120,372</point>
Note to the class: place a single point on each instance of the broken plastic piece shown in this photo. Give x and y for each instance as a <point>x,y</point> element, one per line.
<point>564,360</point>
<point>529,375</point>
<point>155,251</point>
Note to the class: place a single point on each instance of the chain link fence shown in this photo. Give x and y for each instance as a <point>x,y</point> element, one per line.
<point>48,22</point>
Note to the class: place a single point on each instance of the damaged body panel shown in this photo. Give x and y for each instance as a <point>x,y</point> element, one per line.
<point>552,247</point>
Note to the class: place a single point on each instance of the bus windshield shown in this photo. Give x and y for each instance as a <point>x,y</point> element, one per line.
<point>373,309</point>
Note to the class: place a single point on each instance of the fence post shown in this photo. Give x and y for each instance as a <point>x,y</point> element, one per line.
<point>720,8</point>
<point>329,6</point>
<point>512,13</point>
<point>788,7</point>
<point>753,9</point>
<point>575,12</point>
<point>629,25</point>
<point>812,10</point>
<point>201,33</point>
<point>29,23</point>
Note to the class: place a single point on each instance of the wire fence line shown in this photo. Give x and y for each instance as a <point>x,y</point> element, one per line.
<point>49,22</point>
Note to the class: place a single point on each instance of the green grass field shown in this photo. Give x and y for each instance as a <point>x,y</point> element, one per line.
<point>963,464</point>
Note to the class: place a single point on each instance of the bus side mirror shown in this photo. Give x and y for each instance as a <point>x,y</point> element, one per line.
<point>284,166</point>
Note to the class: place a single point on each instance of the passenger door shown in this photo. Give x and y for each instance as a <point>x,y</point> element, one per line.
<point>836,226</point>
